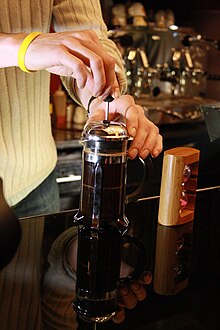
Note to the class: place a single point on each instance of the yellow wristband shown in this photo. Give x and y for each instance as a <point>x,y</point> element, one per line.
<point>23,49</point>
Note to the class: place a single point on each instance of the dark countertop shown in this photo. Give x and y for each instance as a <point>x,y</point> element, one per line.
<point>36,279</point>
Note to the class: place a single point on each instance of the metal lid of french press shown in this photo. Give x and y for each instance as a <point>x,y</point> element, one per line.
<point>105,130</point>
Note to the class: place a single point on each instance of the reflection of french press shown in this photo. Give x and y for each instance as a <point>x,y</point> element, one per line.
<point>102,221</point>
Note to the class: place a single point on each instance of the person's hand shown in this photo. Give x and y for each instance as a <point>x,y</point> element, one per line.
<point>76,54</point>
<point>131,293</point>
<point>146,137</point>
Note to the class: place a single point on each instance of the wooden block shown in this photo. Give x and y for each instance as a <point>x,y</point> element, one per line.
<point>173,186</point>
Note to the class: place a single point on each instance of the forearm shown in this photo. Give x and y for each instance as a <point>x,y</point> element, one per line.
<point>9,46</point>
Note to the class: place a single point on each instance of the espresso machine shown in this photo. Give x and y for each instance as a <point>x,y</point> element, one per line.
<point>161,62</point>
<point>101,220</point>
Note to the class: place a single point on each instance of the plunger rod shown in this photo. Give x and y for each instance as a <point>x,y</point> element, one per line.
<point>108,100</point>
<point>107,111</point>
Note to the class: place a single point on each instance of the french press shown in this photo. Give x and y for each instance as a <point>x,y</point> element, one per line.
<point>101,220</point>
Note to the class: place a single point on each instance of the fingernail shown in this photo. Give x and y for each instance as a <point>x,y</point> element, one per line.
<point>155,154</point>
<point>119,312</point>
<point>116,94</point>
<point>119,316</point>
<point>135,286</point>
<point>133,132</point>
<point>133,153</point>
<point>124,290</point>
<point>147,277</point>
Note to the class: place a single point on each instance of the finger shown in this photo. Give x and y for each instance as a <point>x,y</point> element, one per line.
<point>147,139</point>
<point>79,72</point>
<point>148,145</point>
<point>146,278</point>
<point>101,64</point>
<point>138,144</point>
<point>110,67</point>
<point>71,65</point>
<point>119,316</point>
<point>138,290</point>
<point>132,120</point>
<point>135,118</point>
<point>125,105</point>
<point>113,90</point>
<point>153,142</point>
<point>128,298</point>
<point>125,269</point>
<point>96,113</point>
<point>158,147</point>
<point>96,65</point>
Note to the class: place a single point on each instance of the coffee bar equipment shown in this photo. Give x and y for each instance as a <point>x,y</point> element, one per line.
<point>166,70</point>
<point>159,61</point>
<point>101,220</point>
<point>189,40</point>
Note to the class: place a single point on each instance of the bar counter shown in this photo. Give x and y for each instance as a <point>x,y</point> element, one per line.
<point>35,283</point>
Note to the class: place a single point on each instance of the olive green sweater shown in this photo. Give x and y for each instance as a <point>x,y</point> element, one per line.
<point>27,149</point>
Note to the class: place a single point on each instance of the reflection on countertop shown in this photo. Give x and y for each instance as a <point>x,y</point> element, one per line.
<point>37,286</point>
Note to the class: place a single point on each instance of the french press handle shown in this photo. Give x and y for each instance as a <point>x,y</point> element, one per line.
<point>145,181</point>
<point>141,259</point>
